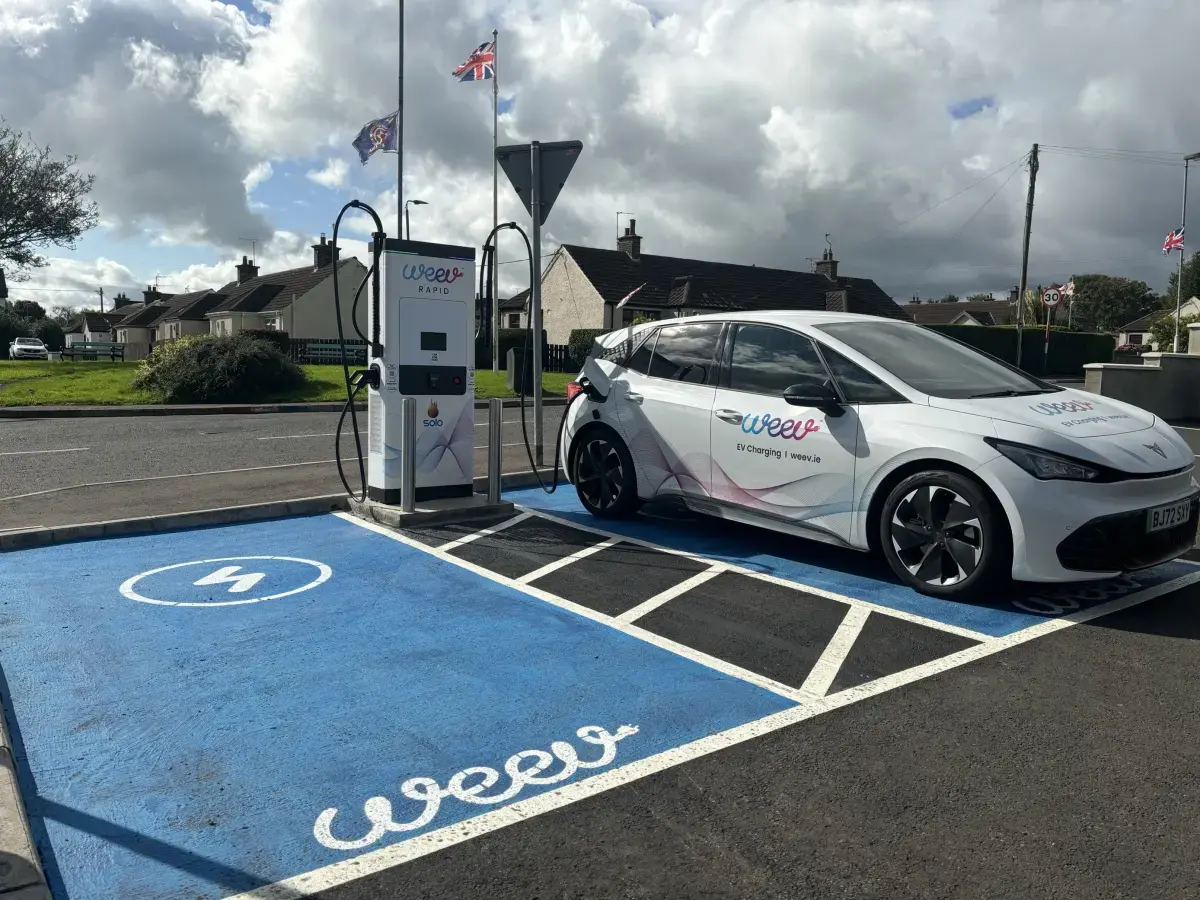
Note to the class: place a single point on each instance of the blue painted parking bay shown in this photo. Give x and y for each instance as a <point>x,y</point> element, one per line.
<point>202,713</point>
<point>847,573</point>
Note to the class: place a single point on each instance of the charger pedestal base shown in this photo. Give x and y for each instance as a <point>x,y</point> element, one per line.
<point>433,512</point>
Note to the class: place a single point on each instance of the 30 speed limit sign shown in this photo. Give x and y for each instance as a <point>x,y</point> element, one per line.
<point>1051,296</point>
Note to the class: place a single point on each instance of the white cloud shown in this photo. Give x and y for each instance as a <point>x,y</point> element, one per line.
<point>333,175</point>
<point>261,172</point>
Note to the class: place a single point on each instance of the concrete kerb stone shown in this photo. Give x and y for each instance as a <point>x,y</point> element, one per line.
<point>76,412</point>
<point>21,876</point>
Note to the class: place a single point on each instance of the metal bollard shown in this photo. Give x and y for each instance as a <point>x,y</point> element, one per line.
<point>495,447</point>
<point>408,454</point>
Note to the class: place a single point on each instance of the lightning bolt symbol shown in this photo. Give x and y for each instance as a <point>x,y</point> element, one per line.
<point>228,575</point>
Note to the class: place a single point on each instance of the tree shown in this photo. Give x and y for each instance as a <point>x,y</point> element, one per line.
<point>63,315</point>
<point>42,201</point>
<point>11,326</point>
<point>29,309</point>
<point>50,332</point>
<point>1191,281</point>
<point>978,298</point>
<point>949,298</point>
<point>1110,302</point>
<point>1162,332</point>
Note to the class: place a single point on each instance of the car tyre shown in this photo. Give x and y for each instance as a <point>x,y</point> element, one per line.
<point>943,536</point>
<point>603,475</point>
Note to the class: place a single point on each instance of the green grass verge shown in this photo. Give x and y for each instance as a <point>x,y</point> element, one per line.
<point>28,383</point>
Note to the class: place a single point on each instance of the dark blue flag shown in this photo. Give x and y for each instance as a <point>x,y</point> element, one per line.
<point>378,134</point>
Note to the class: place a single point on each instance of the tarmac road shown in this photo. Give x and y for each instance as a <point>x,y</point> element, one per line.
<point>75,470</point>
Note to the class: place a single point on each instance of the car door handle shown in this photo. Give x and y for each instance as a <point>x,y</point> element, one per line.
<point>634,398</point>
<point>732,416</point>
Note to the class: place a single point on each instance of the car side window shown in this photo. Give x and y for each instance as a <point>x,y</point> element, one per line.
<point>686,353</point>
<point>766,360</point>
<point>639,360</point>
<point>856,383</point>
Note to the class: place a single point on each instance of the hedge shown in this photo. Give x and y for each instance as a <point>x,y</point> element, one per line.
<point>1070,351</point>
<point>280,339</point>
<point>580,343</point>
<point>510,339</point>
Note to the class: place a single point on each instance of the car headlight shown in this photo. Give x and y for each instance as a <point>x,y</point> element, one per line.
<point>1044,465</point>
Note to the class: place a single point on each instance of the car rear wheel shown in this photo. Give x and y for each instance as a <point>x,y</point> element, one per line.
<point>604,477</point>
<point>943,536</point>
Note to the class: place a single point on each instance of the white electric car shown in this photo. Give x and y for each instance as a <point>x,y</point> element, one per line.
<point>877,434</point>
<point>27,348</point>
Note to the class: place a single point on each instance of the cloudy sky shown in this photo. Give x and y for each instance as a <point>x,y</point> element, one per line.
<point>736,130</point>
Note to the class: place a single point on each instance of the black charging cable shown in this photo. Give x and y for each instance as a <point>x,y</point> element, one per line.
<point>368,377</point>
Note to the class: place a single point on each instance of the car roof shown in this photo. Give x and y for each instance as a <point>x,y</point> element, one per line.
<point>784,317</point>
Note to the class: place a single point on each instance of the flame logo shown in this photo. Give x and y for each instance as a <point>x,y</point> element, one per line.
<point>433,410</point>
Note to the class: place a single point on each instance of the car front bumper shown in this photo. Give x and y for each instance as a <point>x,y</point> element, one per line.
<point>1075,531</point>
<point>29,354</point>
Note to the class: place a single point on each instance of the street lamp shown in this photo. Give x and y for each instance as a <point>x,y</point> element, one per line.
<point>1182,222</point>
<point>407,224</point>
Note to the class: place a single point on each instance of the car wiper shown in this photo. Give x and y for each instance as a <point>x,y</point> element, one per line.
<point>1007,392</point>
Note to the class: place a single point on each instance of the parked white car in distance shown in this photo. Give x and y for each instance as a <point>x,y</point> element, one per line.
<point>876,434</point>
<point>27,348</point>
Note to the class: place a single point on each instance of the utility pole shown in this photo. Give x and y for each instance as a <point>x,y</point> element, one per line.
<point>100,291</point>
<point>1182,224</point>
<point>1033,170</point>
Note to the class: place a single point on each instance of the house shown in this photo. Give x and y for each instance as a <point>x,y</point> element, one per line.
<point>1138,331</point>
<point>298,301</point>
<point>188,314</point>
<point>98,326</point>
<point>973,312</point>
<point>512,311</point>
<point>582,286</point>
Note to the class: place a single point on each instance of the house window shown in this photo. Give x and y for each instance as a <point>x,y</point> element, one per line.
<point>1136,339</point>
<point>514,320</point>
<point>628,315</point>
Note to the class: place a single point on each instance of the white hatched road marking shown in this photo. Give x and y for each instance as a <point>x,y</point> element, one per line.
<point>827,667</point>
<point>683,650</point>
<point>566,561</point>
<point>632,615</point>
<point>774,579</point>
<point>397,854</point>
<point>476,535</point>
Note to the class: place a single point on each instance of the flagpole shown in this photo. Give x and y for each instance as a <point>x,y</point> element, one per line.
<point>495,197</point>
<point>400,134</point>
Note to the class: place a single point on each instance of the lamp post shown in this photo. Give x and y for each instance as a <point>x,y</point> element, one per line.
<point>407,224</point>
<point>1182,222</point>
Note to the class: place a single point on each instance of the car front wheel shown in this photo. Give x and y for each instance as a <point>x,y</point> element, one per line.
<point>943,536</point>
<point>604,477</point>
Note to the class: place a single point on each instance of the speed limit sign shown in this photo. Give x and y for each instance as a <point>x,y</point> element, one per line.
<point>1051,296</point>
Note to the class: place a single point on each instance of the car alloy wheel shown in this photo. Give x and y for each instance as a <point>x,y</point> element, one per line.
<point>937,535</point>
<point>604,477</point>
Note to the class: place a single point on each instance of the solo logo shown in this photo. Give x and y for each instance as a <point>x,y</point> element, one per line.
<point>1067,406</point>
<point>422,272</point>
<point>777,427</point>
<point>432,412</point>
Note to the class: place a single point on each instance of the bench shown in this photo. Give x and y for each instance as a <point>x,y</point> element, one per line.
<point>94,350</point>
<point>320,352</point>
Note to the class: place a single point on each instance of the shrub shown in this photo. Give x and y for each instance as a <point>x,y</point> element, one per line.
<point>1070,351</point>
<point>210,368</point>
<point>278,339</point>
<point>579,344</point>
<point>510,339</point>
<point>12,326</point>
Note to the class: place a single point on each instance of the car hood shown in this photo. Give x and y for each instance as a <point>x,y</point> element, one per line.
<point>1072,414</point>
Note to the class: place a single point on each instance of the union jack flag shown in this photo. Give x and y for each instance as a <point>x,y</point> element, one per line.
<point>480,65</point>
<point>1174,241</point>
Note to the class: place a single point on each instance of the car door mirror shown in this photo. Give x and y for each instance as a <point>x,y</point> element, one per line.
<point>813,392</point>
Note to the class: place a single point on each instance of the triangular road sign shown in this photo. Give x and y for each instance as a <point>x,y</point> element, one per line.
<point>556,161</point>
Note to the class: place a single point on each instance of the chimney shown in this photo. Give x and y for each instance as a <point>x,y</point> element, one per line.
<point>323,254</point>
<point>1014,294</point>
<point>121,300</point>
<point>150,294</point>
<point>631,241</point>
<point>246,271</point>
<point>827,266</point>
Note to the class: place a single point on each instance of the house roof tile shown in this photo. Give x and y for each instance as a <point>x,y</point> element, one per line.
<point>273,290</point>
<point>668,281</point>
<point>146,316</point>
<point>1144,323</point>
<point>989,312</point>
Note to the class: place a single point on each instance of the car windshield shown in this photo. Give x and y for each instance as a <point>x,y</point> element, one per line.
<point>933,363</point>
<point>29,342</point>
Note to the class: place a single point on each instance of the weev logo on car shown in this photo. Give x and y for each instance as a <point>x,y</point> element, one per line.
<point>378,810</point>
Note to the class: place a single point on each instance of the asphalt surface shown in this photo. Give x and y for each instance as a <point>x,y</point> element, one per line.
<point>68,471</point>
<point>1062,768</point>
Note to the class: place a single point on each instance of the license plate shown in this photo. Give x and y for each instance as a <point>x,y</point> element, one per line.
<point>1163,517</point>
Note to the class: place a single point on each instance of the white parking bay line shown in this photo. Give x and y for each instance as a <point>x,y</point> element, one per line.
<point>821,677</point>
<point>483,532</point>
<point>646,606</point>
<point>36,452</point>
<point>533,576</point>
<point>356,867</point>
<point>775,579</point>
<point>293,437</point>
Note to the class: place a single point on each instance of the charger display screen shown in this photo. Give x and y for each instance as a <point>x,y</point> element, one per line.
<point>433,341</point>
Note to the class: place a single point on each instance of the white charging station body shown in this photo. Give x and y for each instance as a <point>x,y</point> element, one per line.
<point>427,332</point>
